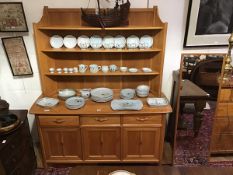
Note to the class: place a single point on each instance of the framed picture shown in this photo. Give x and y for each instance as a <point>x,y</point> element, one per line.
<point>209,23</point>
<point>17,56</point>
<point>12,18</point>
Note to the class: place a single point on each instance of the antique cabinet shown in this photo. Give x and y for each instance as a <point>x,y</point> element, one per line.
<point>95,132</point>
<point>17,154</point>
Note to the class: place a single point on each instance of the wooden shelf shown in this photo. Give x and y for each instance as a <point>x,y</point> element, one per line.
<point>102,50</point>
<point>87,28</point>
<point>154,73</point>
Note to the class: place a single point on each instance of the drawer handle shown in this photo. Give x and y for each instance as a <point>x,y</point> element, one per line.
<point>101,119</point>
<point>142,119</point>
<point>59,121</point>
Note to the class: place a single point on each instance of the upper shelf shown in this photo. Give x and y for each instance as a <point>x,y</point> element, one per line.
<point>100,50</point>
<point>86,28</point>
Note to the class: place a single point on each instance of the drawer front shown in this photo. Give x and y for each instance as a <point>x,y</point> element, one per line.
<point>58,120</point>
<point>222,143</point>
<point>142,119</point>
<point>226,95</point>
<point>223,125</point>
<point>224,109</point>
<point>100,120</point>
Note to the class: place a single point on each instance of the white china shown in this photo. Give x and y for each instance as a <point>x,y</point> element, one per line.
<point>82,68</point>
<point>85,93</point>
<point>70,70</point>
<point>132,42</point>
<point>56,41</point>
<point>66,93</point>
<point>69,41</point>
<point>157,101</point>
<point>113,68</point>
<point>65,69</point>
<point>105,69</point>
<point>142,90</point>
<point>94,68</point>
<point>121,172</point>
<point>83,42</point>
<point>75,102</point>
<point>126,104</point>
<point>133,70</point>
<point>119,42</point>
<point>101,94</point>
<point>47,102</point>
<point>127,93</point>
<point>108,42</point>
<point>75,69</point>
<point>146,42</point>
<point>96,42</point>
<point>59,70</point>
<point>123,69</point>
<point>51,70</point>
<point>146,69</point>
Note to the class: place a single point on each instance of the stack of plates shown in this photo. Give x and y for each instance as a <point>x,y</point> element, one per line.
<point>127,93</point>
<point>75,102</point>
<point>101,94</point>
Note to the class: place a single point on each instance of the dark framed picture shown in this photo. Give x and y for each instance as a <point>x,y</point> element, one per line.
<point>209,23</point>
<point>17,56</point>
<point>12,18</point>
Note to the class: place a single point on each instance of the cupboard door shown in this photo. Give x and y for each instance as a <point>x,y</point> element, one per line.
<point>101,143</point>
<point>141,144</point>
<point>62,143</point>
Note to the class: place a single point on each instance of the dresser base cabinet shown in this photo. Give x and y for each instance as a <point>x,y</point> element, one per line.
<point>17,156</point>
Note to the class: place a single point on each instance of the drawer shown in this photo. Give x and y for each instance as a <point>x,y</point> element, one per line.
<point>58,120</point>
<point>224,109</point>
<point>222,143</point>
<point>142,119</point>
<point>223,125</point>
<point>100,120</point>
<point>226,95</point>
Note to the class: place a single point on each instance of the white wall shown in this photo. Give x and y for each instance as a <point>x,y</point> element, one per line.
<point>22,92</point>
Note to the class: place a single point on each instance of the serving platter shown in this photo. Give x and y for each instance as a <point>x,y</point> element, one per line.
<point>47,102</point>
<point>122,104</point>
<point>157,101</point>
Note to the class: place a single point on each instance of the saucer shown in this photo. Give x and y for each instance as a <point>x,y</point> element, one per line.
<point>133,70</point>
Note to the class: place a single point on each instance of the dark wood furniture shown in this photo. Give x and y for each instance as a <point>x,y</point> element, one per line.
<point>17,155</point>
<point>96,133</point>
<point>150,170</point>
<point>193,94</point>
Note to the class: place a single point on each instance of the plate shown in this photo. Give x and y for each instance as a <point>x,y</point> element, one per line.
<point>119,42</point>
<point>75,102</point>
<point>121,172</point>
<point>108,42</point>
<point>157,101</point>
<point>96,42</point>
<point>121,104</point>
<point>146,42</point>
<point>56,41</point>
<point>132,42</point>
<point>69,41</point>
<point>83,42</point>
<point>146,69</point>
<point>47,102</point>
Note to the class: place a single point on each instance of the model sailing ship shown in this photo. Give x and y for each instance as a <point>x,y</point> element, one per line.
<point>116,16</point>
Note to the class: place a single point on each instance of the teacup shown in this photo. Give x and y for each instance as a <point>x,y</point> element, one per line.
<point>82,68</point>
<point>113,68</point>
<point>105,69</point>
<point>85,93</point>
<point>94,68</point>
<point>59,70</point>
<point>65,70</point>
<point>51,70</point>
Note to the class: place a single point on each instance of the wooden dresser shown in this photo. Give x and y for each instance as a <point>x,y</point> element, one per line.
<point>17,155</point>
<point>96,133</point>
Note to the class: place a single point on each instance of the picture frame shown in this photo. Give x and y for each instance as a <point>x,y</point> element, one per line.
<point>208,24</point>
<point>17,56</point>
<point>12,18</point>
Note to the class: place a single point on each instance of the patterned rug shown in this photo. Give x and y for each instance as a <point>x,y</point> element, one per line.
<point>53,171</point>
<point>193,151</point>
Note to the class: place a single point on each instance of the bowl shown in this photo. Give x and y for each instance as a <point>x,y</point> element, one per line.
<point>66,93</point>
<point>142,90</point>
<point>127,93</point>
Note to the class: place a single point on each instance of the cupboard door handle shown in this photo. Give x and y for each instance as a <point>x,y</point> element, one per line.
<point>101,119</point>
<point>142,119</point>
<point>59,121</point>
